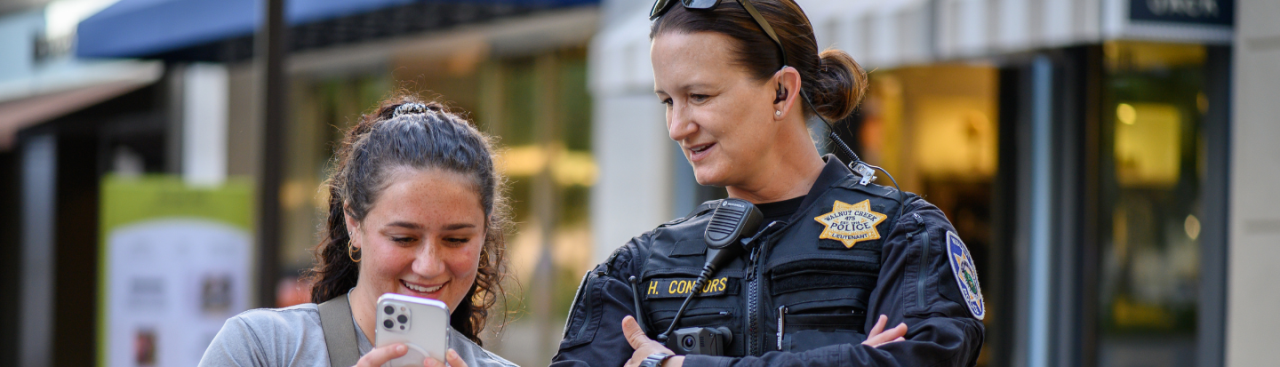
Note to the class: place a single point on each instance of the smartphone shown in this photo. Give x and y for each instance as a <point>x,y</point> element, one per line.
<point>419,323</point>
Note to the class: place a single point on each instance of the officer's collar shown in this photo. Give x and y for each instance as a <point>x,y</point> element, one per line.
<point>833,172</point>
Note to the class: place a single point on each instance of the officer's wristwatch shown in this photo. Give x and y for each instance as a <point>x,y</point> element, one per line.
<point>655,360</point>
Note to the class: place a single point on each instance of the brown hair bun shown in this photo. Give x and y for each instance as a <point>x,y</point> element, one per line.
<point>839,85</point>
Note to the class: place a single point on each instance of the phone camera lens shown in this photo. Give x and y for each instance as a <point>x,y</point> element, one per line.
<point>402,319</point>
<point>387,323</point>
<point>389,310</point>
<point>687,341</point>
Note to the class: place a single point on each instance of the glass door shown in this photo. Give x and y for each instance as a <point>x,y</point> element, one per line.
<point>1152,155</point>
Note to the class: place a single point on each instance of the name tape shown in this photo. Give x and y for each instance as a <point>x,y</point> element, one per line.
<point>680,287</point>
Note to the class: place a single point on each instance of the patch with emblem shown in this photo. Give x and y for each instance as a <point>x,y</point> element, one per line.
<point>680,287</point>
<point>966,275</point>
<point>851,224</point>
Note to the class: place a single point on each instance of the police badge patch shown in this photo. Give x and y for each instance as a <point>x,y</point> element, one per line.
<point>851,224</point>
<point>966,275</point>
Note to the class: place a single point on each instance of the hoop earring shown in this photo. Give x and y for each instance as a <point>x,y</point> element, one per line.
<point>351,252</point>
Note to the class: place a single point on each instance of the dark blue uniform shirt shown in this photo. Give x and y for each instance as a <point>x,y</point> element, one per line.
<point>808,291</point>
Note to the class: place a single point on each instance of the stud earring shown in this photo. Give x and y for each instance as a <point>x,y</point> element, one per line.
<point>777,113</point>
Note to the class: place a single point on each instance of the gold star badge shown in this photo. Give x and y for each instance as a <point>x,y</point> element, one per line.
<point>851,224</point>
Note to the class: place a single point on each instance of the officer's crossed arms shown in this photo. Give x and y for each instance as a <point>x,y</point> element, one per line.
<point>645,347</point>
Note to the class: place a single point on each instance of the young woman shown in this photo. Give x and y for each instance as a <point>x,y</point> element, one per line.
<point>837,258</point>
<point>415,208</point>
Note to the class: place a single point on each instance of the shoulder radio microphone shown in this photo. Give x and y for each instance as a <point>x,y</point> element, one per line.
<point>724,236</point>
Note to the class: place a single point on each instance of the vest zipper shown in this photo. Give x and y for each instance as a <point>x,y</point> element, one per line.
<point>753,303</point>
<point>922,274</point>
<point>754,334</point>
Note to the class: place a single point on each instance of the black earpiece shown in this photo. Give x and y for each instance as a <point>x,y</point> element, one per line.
<point>782,94</point>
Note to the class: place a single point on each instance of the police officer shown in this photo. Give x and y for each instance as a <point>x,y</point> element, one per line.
<point>836,256</point>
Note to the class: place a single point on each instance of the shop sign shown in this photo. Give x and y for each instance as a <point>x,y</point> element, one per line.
<point>175,265</point>
<point>1185,12</point>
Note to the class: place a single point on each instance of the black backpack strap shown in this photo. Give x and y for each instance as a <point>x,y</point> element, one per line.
<point>339,332</point>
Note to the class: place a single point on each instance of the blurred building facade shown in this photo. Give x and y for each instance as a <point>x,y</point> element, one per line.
<point>1108,161</point>
<point>1094,155</point>
<point>60,120</point>
<point>173,88</point>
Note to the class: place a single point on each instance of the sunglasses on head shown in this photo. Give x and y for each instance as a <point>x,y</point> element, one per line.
<point>661,6</point>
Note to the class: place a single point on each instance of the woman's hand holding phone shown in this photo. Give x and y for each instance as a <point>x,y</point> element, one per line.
<point>454,360</point>
<point>379,356</point>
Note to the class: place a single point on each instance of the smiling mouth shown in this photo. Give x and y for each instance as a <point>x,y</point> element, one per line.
<point>421,289</point>
<point>701,148</point>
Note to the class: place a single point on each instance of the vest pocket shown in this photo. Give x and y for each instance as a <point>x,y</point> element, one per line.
<point>822,301</point>
<point>814,284</point>
<point>813,274</point>
<point>694,316</point>
<point>804,329</point>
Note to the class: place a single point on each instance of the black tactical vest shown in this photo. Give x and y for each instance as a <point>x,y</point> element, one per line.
<point>814,289</point>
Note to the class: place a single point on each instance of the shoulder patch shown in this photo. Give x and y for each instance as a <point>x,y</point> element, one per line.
<point>966,275</point>
<point>851,224</point>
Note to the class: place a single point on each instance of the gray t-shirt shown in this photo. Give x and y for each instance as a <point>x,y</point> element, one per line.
<point>292,336</point>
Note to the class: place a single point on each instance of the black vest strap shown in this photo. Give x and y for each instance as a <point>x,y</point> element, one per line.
<point>706,206</point>
<point>339,332</point>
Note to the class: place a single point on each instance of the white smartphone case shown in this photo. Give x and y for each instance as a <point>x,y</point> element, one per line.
<point>421,324</point>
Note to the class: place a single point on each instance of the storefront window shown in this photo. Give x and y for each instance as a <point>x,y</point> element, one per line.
<point>1151,169</point>
<point>935,129</point>
<point>539,108</point>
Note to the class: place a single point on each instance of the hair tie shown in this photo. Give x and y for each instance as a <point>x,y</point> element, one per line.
<point>407,108</point>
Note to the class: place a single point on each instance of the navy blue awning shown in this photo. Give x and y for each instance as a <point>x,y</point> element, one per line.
<point>222,30</point>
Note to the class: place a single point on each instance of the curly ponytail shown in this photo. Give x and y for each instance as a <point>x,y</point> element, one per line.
<point>334,272</point>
